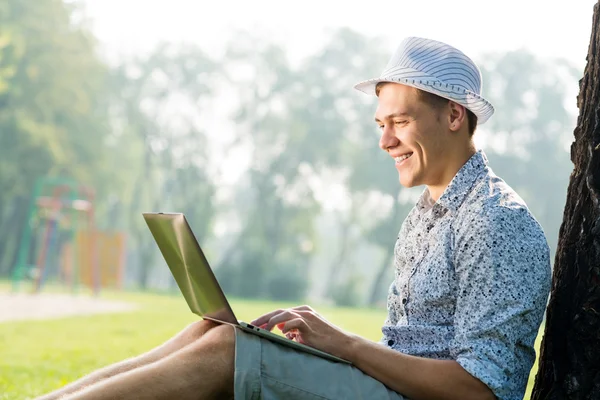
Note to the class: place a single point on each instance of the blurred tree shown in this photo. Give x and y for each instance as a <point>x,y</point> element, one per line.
<point>306,128</point>
<point>569,366</point>
<point>375,208</point>
<point>526,140</point>
<point>276,240</point>
<point>52,107</point>
<point>158,107</point>
<point>342,120</point>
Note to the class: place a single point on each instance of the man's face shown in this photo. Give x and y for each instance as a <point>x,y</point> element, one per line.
<point>414,134</point>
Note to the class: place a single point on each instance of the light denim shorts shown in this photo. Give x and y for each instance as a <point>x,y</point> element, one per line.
<point>267,370</point>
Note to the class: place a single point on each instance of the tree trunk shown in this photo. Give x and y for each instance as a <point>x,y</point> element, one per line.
<point>340,261</point>
<point>387,263</point>
<point>570,353</point>
<point>11,237</point>
<point>7,220</point>
<point>386,267</point>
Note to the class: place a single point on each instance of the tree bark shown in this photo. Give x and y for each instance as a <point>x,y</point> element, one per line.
<point>387,263</point>
<point>339,263</point>
<point>10,242</point>
<point>386,266</point>
<point>570,353</point>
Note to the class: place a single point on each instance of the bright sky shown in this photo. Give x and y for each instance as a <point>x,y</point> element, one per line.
<point>546,27</point>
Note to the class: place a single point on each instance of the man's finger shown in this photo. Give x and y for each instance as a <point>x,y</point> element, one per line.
<point>307,314</point>
<point>296,323</point>
<point>281,318</point>
<point>260,321</point>
<point>303,308</point>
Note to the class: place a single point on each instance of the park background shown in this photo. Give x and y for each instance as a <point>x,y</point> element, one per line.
<point>241,115</point>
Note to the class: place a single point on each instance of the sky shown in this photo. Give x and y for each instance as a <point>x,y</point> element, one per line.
<point>549,28</point>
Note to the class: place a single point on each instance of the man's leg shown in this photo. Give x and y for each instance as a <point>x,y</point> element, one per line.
<point>201,370</point>
<point>184,338</point>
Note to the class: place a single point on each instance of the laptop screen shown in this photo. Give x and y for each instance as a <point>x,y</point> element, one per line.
<point>189,266</point>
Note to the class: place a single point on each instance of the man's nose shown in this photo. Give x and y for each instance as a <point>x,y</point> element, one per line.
<point>388,139</point>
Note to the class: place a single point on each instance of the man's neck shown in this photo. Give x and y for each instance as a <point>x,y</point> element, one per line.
<point>452,168</point>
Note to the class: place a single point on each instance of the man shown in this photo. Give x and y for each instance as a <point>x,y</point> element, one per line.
<point>472,276</point>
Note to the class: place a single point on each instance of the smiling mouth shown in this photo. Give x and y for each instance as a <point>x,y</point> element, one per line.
<point>402,158</point>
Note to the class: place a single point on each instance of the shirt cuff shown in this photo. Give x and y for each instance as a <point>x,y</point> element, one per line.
<point>493,378</point>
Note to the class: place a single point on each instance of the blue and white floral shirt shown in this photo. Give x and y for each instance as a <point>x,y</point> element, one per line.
<point>471,281</point>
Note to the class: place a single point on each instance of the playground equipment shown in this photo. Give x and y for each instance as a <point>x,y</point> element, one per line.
<point>60,240</point>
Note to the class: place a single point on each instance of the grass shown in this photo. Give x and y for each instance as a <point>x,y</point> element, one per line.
<point>39,356</point>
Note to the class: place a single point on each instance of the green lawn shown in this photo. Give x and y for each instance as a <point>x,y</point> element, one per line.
<point>38,356</point>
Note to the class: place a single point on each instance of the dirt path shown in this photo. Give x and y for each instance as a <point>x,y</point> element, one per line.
<point>22,306</point>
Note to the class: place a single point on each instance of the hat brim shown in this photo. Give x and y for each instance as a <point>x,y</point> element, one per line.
<point>482,108</point>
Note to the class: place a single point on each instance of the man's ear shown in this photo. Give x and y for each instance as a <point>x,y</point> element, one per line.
<point>457,116</point>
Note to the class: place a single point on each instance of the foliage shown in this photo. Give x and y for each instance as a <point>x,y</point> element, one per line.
<point>287,283</point>
<point>157,104</point>
<point>53,115</point>
<point>347,293</point>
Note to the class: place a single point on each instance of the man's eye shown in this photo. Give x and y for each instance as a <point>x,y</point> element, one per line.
<point>399,122</point>
<point>380,126</point>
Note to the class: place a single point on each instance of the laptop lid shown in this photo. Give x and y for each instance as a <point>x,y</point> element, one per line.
<point>189,266</point>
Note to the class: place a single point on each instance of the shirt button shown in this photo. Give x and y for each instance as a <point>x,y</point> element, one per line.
<point>404,300</point>
<point>390,342</point>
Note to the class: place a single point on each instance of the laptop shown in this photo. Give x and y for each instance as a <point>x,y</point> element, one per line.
<point>197,282</point>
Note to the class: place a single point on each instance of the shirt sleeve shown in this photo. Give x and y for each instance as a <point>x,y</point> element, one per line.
<point>502,266</point>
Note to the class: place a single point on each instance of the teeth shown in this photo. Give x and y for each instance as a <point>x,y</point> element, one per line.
<point>402,158</point>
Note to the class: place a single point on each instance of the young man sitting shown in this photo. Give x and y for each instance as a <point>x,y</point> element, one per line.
<point>472,276</point>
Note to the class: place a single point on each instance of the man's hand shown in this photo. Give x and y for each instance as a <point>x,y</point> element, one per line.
<point>305,326</point>
<point>414,377</point>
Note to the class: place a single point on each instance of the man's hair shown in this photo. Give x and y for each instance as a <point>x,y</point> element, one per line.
<point>437,102</point>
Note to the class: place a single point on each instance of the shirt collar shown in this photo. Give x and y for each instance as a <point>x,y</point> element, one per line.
<point>459,187</point>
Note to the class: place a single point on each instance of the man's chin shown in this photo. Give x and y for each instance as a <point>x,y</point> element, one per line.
<point>407,183</point>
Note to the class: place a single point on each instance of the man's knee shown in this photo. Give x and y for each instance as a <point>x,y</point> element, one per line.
<point>221,336</point>
<point>198,329</point>
<point>211,357</point>
<point>217,343</point>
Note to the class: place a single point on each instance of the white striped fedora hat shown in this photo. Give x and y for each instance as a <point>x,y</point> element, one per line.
<point>437,68</point>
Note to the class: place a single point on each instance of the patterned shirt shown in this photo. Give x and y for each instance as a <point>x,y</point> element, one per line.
<point>472,277</point>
